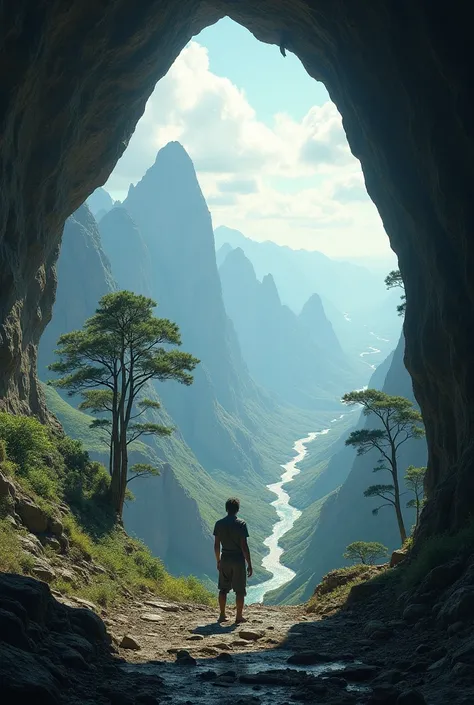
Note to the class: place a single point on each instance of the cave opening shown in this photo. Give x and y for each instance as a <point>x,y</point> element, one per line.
<point>399,77</point>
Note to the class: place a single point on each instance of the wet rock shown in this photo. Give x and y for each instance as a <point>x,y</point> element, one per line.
<point>12,630</point>
<point>456,628</point>
<point>414,612</point>
<point>224,657</point>
<point>411,697</point>
<point>151,617</point>
<point>207,675</point>
<point>357,673</point>
<point>32,516</point>
<point>440,663</point>
<point>385,694</point>
<point>465,654</point>
<point>462,671</point>
<point>249,635</point>
<point>309,658</point>
<point>128,642</point>
<point>459,607</point>
<point>184,658</point>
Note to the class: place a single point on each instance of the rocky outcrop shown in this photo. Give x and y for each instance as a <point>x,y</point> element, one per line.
<point>66,118</point>
<point>83,275</point>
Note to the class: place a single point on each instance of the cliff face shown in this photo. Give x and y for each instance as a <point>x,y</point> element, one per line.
<point>75,84</point>
<point>84,275</point>
<point>298,358</point>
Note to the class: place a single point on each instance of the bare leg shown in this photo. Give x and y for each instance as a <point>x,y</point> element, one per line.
<point>239,604</point>
<point>222,605</point>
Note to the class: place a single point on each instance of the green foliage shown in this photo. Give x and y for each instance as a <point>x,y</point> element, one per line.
<point>392,281</point>
<point>365,552</point>
<point>12,558</point>
<point>398,421</point>
<point>110,362</point>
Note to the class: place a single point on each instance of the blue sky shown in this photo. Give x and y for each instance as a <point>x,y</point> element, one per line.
<point>267,143</point>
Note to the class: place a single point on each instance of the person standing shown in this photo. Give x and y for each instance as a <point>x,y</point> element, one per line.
<point>232,553</point>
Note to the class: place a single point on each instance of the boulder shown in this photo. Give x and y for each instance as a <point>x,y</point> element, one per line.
<point>249,635</point>
<point>151,617</point>
<point>25,680</point>
<point>184,658</point>
<point>7,488</point>
<point>356,672</point>
<point>459,607</point>
<point>442,576</point>
<point>32,544</point>
<point>12,630</point>
<point>32,516</point>
<point>90,625</point>
<point>465,654</point>
<point>309,658</point>
<point>414,612</point>
<point>397,557</point>
<point>55,526</point>
<point>363,591</point>
<point>43,571</point>
<point>128,642</point>
<point>52,542</point>
<point>34,596</point>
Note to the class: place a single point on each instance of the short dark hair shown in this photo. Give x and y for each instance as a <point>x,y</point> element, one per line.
<point>232,505</point>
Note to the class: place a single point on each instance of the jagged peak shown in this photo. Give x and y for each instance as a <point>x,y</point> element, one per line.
<point>313,307</point>
<point>270,288</point>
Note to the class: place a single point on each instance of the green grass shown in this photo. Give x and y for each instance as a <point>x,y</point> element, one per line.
<point>51,469</point>
<point>333,591</point>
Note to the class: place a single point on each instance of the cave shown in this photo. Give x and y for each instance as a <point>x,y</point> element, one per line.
<point>75,79</point>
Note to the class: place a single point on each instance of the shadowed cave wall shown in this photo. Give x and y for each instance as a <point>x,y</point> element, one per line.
<point>74,81</point>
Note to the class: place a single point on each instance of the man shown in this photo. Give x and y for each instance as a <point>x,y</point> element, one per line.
<point>231,533</point>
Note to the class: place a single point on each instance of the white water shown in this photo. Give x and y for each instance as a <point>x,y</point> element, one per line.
<point>370,351</point>
<point>287,515</point>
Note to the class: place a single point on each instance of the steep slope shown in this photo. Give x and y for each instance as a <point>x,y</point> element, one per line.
<point>297,358</point>
<point>127,251</point>
<point>347,515</point>
<point>222,253</point>
<point>84,275</point>
<point>213,415</point>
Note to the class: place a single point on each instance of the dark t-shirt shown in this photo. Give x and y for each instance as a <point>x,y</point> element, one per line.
<point>231,530</point>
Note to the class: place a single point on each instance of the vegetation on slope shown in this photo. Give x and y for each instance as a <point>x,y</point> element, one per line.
<point>55,473</point>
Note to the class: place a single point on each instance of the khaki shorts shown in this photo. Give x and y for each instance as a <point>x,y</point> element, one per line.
<point>233,576</point>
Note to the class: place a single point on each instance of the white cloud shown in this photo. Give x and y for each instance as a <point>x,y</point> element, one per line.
<point>239,159</point>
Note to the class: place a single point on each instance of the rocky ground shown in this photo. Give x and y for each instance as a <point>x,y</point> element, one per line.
<point>414,650</point>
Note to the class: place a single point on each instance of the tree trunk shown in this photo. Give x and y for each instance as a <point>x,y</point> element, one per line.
<point>396,486</point>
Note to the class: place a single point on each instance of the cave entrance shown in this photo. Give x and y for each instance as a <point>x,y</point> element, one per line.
<point>399,73</point>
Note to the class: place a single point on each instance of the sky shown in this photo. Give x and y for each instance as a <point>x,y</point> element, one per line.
<point>267,143</point>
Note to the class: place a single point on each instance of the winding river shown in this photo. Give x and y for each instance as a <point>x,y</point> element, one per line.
<point>287,515</point>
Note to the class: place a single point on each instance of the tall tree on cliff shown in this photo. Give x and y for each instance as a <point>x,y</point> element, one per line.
<point>109,362</point>
<point>398,421</point>
<point>394,280</point>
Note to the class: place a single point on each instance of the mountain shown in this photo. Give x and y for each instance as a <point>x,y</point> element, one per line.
<point>222,253</point>
<point>298,273</point>
<point>100,202</point>
<point>127,251</point>
<point>346,515</point>
<point>237,433</point>
<point>164,507</point>
<point>354,299</point>
<point>84,275</point>
<point>298,358</point>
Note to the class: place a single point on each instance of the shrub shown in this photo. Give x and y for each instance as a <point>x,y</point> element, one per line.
<point>12,557</point>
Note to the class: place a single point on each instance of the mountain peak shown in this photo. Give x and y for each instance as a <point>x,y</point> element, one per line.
<point>269,288</point>
<point>236,264</point>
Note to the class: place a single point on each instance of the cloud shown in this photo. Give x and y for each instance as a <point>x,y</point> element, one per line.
<point>239,159</point>
<point>243,186</point>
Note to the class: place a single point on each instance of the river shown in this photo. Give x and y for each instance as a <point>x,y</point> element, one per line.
<point>287,515</point>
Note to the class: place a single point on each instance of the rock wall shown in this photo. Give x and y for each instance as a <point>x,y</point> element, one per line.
<point>75,82</point>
